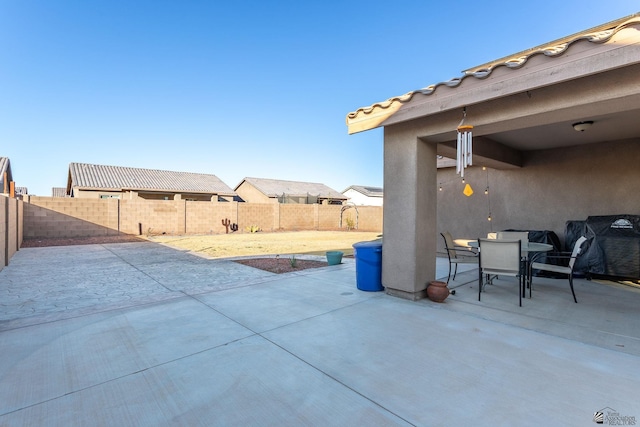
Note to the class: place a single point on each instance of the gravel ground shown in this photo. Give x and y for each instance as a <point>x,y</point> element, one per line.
<point>281,265</point>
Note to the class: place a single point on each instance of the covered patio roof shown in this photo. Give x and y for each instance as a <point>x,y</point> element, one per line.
<point>519,106</point>
<point>529,100</point>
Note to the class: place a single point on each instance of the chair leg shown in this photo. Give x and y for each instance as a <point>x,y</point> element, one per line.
<point>449,276</point>
<point>479,284</point>
<point>520,289</point>
<point>455,271</point>
<point>571,285</point>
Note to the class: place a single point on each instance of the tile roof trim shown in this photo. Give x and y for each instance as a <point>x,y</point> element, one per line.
<point>598,35</point>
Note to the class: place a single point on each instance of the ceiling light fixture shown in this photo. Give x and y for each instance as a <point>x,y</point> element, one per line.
<point>582,126</point>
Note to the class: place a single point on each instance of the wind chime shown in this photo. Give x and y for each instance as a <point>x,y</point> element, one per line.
<point>464,146</point>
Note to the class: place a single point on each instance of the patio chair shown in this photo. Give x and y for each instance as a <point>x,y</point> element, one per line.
<point>457,254</point>
<point>562,269</point>
<point>523,236</point>
<point>500,258</point>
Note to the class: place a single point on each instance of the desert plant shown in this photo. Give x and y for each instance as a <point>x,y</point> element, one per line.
<point>351,224</point>
<point>293,261</point>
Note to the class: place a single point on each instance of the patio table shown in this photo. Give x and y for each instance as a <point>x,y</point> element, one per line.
<point>533,247</point>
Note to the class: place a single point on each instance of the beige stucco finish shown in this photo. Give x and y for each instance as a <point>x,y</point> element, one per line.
<point>409,232</point>
<point>251,194</point>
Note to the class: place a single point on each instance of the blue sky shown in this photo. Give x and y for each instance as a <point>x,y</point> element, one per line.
<point>239,89</point>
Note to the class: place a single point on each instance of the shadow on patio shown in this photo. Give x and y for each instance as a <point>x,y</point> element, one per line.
<point>606,314</point>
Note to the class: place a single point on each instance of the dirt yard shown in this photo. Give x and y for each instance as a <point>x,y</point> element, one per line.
<point>279,248</point>
<point>261,243</point>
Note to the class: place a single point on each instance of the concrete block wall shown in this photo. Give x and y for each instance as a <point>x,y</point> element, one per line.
<point>4,235</point>
<point>298,217</point>
<point>48,217</point>
<point>329,217</point>
<point>369,217</point>
<point>206,218</point>
<point>64,217</point>
<point>264,215</point>
<point>12,244</point>
<point>152,216</point>
<point>11,228</point>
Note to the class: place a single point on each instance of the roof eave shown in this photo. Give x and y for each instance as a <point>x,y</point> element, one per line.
<point>432,99</point>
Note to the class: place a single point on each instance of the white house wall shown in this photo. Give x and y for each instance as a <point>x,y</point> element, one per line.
<point>360,199</point>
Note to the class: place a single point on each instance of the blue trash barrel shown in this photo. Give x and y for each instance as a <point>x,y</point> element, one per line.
<point>368,257</point>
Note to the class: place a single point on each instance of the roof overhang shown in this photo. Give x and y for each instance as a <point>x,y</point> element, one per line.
<point>528,101</point>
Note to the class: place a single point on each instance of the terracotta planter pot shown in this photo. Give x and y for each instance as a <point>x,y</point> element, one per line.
<point>437,291</point>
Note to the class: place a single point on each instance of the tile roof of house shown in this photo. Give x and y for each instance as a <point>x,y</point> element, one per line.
<point>277,187</point>
<point>117,178</point>
<point>366,190</point>
<point>58,192</point>
<point>599,34</point>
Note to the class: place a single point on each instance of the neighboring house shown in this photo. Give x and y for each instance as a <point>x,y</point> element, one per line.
<point>556,137</point>
<point>22,191</point>
<point>260,190</point>
<point>98,181</point>
<point>364,195</point>
<point>59,192</point>
<point>6,177</point>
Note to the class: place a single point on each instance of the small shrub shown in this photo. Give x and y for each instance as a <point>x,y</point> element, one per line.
<point>351,224</point>
<point>252,229</point>
<point>293,261</point>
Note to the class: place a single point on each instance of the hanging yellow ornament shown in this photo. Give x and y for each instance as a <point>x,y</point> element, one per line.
<point>468,191</point>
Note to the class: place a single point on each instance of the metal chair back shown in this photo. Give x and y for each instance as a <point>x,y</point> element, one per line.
<point>501,258</point>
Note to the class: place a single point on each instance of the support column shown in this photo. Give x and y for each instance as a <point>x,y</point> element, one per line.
<point>410,213</point>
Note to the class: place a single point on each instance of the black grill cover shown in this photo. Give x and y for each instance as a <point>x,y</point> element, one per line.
<point>548,237</point>
<point>619,238</point>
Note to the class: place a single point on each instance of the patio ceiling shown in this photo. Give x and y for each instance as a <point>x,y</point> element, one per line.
<point>606,127</point>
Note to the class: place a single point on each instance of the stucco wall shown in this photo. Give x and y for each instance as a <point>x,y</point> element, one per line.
<point>251,194</point>
<point>358,198</point>
<point>553,187</point>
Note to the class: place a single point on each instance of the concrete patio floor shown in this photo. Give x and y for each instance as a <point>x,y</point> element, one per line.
<point>139,334</point>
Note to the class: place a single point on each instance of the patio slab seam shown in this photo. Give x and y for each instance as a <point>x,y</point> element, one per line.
<point>131,374</point>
